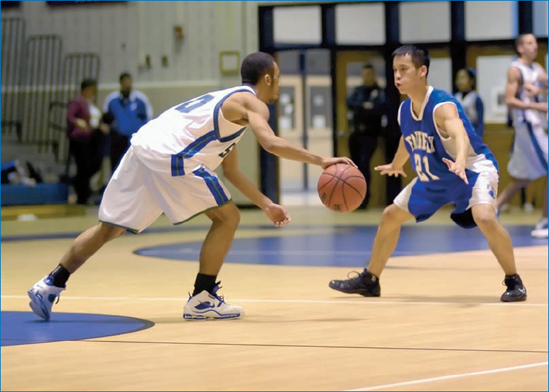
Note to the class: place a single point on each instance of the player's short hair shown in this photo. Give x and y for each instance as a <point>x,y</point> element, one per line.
<point>88,82</point>
<point>255,66</point>
<point>368,66</point>
<point>420,56</point>
<point>124,75</point>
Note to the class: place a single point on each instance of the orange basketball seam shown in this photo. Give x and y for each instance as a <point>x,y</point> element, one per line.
<point>337,183</point>
<point>346,170</point>
<point>343,194</point>
<point>333,190</point>
<point>361,177</point>
<point>335,186</point>
<point>327,182</point>
<point>352,187</point>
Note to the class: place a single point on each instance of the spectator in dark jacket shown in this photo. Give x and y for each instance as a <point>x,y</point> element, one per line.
<point>368,106</point>
<point>86,131</point>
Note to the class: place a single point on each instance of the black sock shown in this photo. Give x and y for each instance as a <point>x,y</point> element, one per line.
<point>60,276</point>
<point>204,282</point>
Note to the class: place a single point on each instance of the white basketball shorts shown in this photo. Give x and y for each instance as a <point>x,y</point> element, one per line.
<point>138,194</point>
<point>529,156</point>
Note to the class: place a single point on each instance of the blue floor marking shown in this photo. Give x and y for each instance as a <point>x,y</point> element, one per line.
<point>154,230</point>
<point>26,328</point>
<point>346,246</point>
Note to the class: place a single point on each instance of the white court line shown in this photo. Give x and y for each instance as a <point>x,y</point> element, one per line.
<point>196,251</point>
<point>270,252</point>
<point>450,377</point>
<point>295,301</point>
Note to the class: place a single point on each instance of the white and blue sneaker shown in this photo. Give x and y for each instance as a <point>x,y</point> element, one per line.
<point>43,294</point>
<point>210,306</point>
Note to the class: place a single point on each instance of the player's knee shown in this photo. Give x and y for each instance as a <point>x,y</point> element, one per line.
<point>234,217</point>
<point>390,214</point>
<point>485,221</point>
<point>228,215</point>
<point>111,232</point>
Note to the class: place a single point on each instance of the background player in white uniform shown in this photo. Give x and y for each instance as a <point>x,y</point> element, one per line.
<point>169,168</point>
<point>526,85</point>
<point>452,164</point>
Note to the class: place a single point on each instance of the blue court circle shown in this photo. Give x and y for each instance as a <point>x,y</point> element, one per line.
<point>26,328</point>
<point>348,246</point>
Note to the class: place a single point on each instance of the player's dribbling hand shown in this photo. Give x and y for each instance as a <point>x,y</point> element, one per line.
<point>332,161</point>
<point>457,169</point>
<point>390,171</point>
<point>277,214</point>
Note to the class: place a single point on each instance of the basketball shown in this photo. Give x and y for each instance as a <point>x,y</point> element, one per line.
<point>341,187</point>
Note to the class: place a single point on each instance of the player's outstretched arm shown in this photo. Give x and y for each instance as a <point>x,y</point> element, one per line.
<point>257,116</point>
<point>396,167</point>
<point>276,213</point>
<point>448,121</point>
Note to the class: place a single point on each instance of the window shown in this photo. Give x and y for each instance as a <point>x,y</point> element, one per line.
<point>297,25</point>
<point>424,21</point>
<point>360,24</point>
<point>486,20</point>
<point>540,18</point>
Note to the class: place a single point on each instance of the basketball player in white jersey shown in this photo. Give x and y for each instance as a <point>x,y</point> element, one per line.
<point>169,169</point>
<point>525,91</point>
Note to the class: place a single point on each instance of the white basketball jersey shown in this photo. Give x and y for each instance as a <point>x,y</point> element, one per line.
<point>529,74</point>
<point>469,103</point>
<point>194,132</point>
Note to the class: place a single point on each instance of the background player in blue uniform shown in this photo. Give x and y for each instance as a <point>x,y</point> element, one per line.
<point>453,166</point>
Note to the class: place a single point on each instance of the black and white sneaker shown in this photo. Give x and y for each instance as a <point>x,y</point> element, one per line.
<point>515,289</point>
<point>363,283</point>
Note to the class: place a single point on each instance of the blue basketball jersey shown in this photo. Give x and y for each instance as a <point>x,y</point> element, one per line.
<point>427,146</point>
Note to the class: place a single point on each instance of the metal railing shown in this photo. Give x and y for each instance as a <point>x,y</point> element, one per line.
<point>76,67</point>
<point>13,37</point>
<point>42,71</point>
<point>37,85</point>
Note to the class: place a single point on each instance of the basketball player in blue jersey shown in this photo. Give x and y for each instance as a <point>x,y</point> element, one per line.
<point>169,169</point>
<point>452,164</point>
<point>526,96</point>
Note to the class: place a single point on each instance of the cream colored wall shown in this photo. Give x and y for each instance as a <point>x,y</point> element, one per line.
<point>124,34</point>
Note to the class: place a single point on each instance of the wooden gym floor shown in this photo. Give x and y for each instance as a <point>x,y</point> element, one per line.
<point>439,324</point>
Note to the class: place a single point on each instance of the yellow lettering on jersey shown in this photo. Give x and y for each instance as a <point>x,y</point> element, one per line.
<point>421,141</point>
<point>422,169</point>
